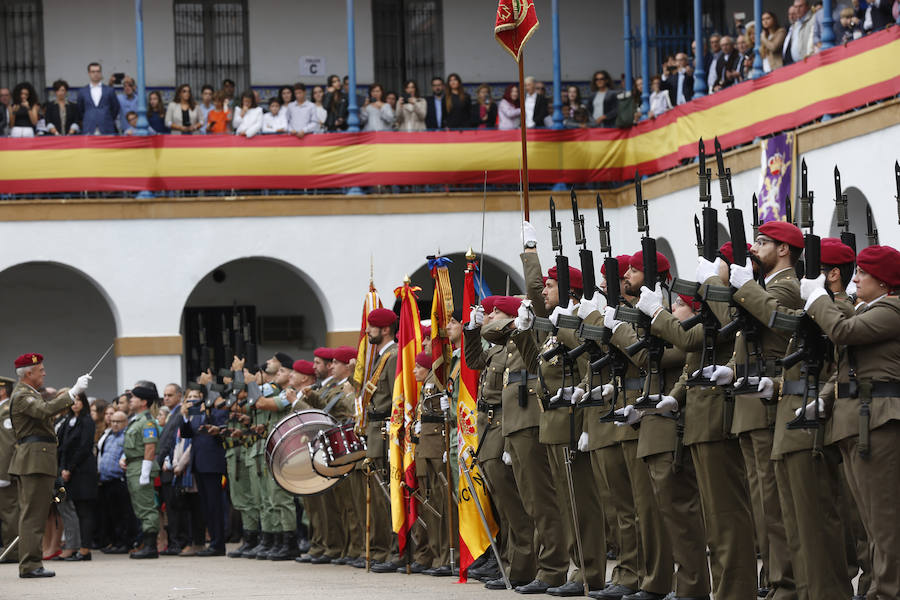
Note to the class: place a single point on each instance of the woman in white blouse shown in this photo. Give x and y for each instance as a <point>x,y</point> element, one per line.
<point>411,109</point>
<point>248,118</point>
<point>509,111</point>
<point>376,114</point>
<point>183,115</point>
<point>318,95</point>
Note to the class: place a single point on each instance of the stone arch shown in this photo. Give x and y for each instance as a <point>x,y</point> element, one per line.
<point>63,313</point>
<point>663,246</point>
<point>857,203</point>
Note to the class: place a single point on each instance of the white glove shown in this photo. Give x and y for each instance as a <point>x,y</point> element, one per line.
<point>813,296</point>
<point>476,317</point>
<point>851,288</point>
<point>666,404</point>
<point>577,395</point>
<point>445,402</point>
<point>707,269</point>
<point>529,233</point>
<point>506,458</point>
<point>650,300</point>
<point>583,442</point>
<point>609,319</point>
<point>417,428</point>
<point>741,274</point>
<point>721,374</point>
<point>605,391</point>
<point>586,307</point>
<point>146,465</point>
<point>559,393</point>
<point>80,385</point>
<point>444,458</point>
<point>559,310</point>
<point>167,464</point>
<point>808,286</point>
<point>525,318</point>
<point>811,409</point>
<point>764,386</point>
<point>631,415</point>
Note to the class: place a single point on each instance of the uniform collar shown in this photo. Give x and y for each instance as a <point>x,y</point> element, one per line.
<point>776,274</point>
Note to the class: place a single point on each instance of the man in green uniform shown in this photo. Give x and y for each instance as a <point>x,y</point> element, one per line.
<point>138,460</point>
<point>258,423</point>
<point>239,474</point>
<point>9,491</point>
<point>33,461</point>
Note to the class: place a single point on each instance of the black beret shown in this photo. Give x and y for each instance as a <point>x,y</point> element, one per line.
<point>286,361</point>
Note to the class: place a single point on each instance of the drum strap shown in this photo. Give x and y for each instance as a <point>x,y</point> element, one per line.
<point>331,403</point>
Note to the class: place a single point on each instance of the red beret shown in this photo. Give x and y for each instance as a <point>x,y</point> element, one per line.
<point>426,331</point>
<point>624,260</point>
<point>575,280</point>
<point>424,360</point>
<point>305,367</point>
<point>382,317</point>
<point>323,353</point>
<point>690,301</point>
<point>344,354</point>
<point>29,360</point>
<point>637,262</point>
<point>507,304</point>
<point>727,251</point>
<point>487,303</point>
<point>836,252</point>
<point>881,262</point>
<point>782,231</point>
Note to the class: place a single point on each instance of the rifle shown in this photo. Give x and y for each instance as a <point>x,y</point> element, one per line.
<point>562,281</point>
<point>227,352</point>
<point>842,212</point>
<point>589,278</point>
<point>238,328</point>
<point>871,230</point>
<point>756,222</point>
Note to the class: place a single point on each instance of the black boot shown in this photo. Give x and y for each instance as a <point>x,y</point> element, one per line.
<point>289,549</point>
<point>264,546</point>
<point>277,541</point>
<point>251,539</point>
<point>148,550</point>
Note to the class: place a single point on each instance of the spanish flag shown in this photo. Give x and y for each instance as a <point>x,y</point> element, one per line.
<point>473,540</point>
<point>365,357</point>
<point>401,451</point>
<point>441,311</point>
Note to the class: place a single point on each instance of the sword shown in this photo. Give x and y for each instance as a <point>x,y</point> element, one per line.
<point>108,350</point>
<point>387,494</point>
<point>568,454</point>
<point>58,497</point>
<point>471,485</point>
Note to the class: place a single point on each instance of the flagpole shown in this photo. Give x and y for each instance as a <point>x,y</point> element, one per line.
<point>522,120</point>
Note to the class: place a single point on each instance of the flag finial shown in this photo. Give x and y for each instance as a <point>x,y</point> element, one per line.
<point>470,254</point>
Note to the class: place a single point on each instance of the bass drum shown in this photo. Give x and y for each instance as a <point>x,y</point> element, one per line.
<point>289,450</point>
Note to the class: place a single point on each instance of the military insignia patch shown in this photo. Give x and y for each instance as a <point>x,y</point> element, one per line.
<point>149,432</point>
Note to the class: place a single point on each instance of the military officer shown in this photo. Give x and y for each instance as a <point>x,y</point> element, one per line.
<point>254,457</point>
<point>138,460</point>
<point>239,473</point>
<point>9,503</point>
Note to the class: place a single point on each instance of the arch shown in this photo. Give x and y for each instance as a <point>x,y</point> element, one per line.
<point>857,203</point>
<point>663,247</point>
<point>65,314</point>
<point>279,302</point>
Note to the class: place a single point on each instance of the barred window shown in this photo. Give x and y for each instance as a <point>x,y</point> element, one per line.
<point>409,42</point>
<point>22,43</point>
<point>211,43</point>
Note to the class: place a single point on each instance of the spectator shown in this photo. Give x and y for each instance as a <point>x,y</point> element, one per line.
<point>162,416</point>
<point>333,83</point>
<point>205,106</point>
<point>799,41</point>
<point>23,115</point>
<point>878,15</point>
<point>228,89</point>
<point>850,26</point>
<point>411,109</point>
<point>177,530</point>
<point>457,104</point>
<point>680,85</point>
<point>116,516</point>
<point>189,503</point>
<point>100,418</point>
<point>182,115</point>
<point>434,116</point>
<point>247,120</point>
<point>727,65</point>
<point>711,59</point>
<point>301,113</point>
<point>660,98</point>
<point>541,89</point>
<point>376,115</point>
<point>208,462</point>
<point>219,118</point>
<point>571,102</point>
<point>321,114</point>
<point>98,105</point>
<point>534,105</point>
<point>509,111</point>
<point>771,42</point>
<point>485,113</point>
<point>746,55</point>
<point>78,470</point>
<point>336,107</point>
<point>132,119</point>
<point>128,100</point>
<point>603,102</point>
<point>4,110</point>
<point>391,99</point>
<point>275,120</point>
<point>285,95</point>
<point>60,113</point>
<point>156,113</point>
<point>580,119</point>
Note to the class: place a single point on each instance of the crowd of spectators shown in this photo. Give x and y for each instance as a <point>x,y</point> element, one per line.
<point>295,110</point>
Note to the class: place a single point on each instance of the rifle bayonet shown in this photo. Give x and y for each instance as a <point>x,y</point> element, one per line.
<point>555,228</point>
<point>756,222</point>
<point>842,212</point>
<point>724,176</point>
<point>603,228</point>
<point>704,176</point>
<point>805,212</point>
<point>871,230</point>
<point>699,233</point>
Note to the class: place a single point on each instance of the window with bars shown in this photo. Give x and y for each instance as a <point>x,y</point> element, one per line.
<point>22,43</point>
<point>409,42</point>
<point>211,43</point>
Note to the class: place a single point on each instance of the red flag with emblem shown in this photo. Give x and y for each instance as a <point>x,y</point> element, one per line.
<point>516,23</point>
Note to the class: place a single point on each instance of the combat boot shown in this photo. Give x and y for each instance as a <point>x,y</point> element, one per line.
<point>264,546</point>
<point>148,550</point>
<point>277,541</point>
<point>289,549</point>
<point>251,539</point>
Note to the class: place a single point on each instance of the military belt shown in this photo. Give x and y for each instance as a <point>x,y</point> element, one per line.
<point>770,369</point>
<point>379,416</point>
<point>794,387</point>
<point>516,377</point>
<point>44,439</point>
<point>486,406</point>
<point>880,389</point>
<point>431,419</point>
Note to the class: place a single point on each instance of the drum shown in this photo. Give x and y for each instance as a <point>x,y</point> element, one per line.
<point>290,448</point>
<point>342,445</point>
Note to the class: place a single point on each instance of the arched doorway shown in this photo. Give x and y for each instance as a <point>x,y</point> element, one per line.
<point>60,312</point>
<point>664,248</point>
<point>856,216</point>
<point>263,301</point>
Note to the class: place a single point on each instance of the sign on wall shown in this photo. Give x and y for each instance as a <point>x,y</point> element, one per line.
<point>312,66</point>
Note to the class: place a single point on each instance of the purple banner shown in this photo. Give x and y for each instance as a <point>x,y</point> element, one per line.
<point>777,170</point>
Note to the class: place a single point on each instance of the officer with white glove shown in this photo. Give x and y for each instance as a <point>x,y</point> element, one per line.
<point>146,467</point>
<point>605,391</point>
<point>721,374</point>
<point>631,415</point>
<point>445,403</point>
<point>707,269</point>
<point>559,310</point>
<point>651,301</point>
<point>529,235</point>
<point>506,458</point>
<point>810,410</point>
<point>587,307</point>
<point>812,289</point>
<point>573,393</point>
<point>609,319</point>
<point>665,404</point>
<point>417,428</point>
<point>476,318</point>
<point>81,384</point>
<point>525,316</point>
<point>741,274</point>
<point>764,386</point>
<point>583,442</point>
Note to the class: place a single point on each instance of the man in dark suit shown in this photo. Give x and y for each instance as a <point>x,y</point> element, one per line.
<point>202,424</point>
<point>727,65</point>
<point>97,105</point>
<point>179,532</point>
<point>680,84</point>
<point>434,113</point>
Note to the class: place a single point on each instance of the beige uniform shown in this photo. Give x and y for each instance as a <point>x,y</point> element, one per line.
<point>9,489</point>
